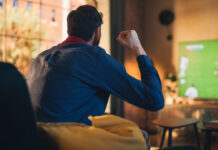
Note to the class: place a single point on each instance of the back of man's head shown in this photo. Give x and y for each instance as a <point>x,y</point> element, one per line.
<point>83,22</point>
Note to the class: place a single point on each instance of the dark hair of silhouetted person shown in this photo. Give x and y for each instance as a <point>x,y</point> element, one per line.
<point>83,22</point>
<point>18,129</point>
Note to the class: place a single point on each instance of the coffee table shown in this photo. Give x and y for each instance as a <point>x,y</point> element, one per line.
<point>172,123</point>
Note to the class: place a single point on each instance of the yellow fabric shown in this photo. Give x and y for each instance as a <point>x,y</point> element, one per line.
<point>108,132</point>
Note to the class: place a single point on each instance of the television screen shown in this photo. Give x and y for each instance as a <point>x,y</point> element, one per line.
<point>198,69</point>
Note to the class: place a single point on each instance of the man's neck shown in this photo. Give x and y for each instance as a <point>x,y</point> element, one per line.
<point>73,39</point>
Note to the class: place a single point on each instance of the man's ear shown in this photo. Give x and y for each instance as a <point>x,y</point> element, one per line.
<point>98,33</point>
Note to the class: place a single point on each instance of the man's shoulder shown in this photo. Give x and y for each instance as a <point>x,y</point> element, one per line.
<point>46,52</point>
<point>70,50</point>
<point>99,49</point>
<point>91,50</point>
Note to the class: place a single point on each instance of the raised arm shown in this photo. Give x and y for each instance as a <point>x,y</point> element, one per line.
<point>129,39</point>
<point>113,77</point>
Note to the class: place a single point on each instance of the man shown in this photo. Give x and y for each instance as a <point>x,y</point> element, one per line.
<point>191,92</point>
<point>216,72</point>
<point>73,80</point>
<point>183,66</point>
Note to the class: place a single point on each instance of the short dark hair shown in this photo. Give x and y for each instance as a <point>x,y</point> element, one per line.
<point>83,22</point>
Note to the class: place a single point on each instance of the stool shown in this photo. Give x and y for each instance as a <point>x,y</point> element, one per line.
<point>208,132</point>
<point>172,123</point>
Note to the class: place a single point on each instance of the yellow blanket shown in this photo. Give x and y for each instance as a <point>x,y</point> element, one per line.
<point>108,132</point>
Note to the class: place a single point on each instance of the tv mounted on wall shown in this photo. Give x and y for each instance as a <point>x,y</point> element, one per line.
<point>198,69</point>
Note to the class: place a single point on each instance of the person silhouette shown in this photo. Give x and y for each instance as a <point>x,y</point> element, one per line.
<point>18,125</point>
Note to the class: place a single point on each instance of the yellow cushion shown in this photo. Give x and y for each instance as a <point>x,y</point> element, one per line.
<point>108,132</point>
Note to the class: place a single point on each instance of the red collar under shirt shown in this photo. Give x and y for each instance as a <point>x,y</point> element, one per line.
<point>72,39</point>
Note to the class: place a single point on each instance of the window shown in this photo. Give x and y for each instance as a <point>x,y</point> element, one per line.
<point>15,3</point>
<point>27,35</point>
<point>28,6</point>
<point>53,15</point>
<point>41,12</point>
<point>1,3</point>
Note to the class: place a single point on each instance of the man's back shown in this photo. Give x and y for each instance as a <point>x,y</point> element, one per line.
<point>70,82</point>
<point>61,82</point>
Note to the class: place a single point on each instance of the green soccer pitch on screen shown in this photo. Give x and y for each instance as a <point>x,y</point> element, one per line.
<point>198,69</point>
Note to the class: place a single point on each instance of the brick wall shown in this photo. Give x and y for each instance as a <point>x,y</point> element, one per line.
<point>134,16</point>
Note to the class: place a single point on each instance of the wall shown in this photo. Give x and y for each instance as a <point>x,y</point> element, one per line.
<point>134,13</point>
<point>104,8</point>
<point>195,20</point>
<point>156,43</point>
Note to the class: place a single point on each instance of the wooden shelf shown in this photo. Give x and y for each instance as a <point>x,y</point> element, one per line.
<point>203,105</point>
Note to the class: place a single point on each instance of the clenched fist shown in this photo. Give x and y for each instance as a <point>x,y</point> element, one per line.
<point>129,39</point>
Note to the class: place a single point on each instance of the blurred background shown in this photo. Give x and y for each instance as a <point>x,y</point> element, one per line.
<point>27,27</point>
<point>170,31</point>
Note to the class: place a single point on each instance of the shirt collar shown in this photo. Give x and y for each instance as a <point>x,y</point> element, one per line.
<point>72,39</point>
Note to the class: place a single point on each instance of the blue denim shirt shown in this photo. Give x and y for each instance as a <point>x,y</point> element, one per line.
<point>70,82</point>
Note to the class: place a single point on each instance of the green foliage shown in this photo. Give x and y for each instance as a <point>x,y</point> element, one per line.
<point>171,77</point>
<point>23,34</point>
